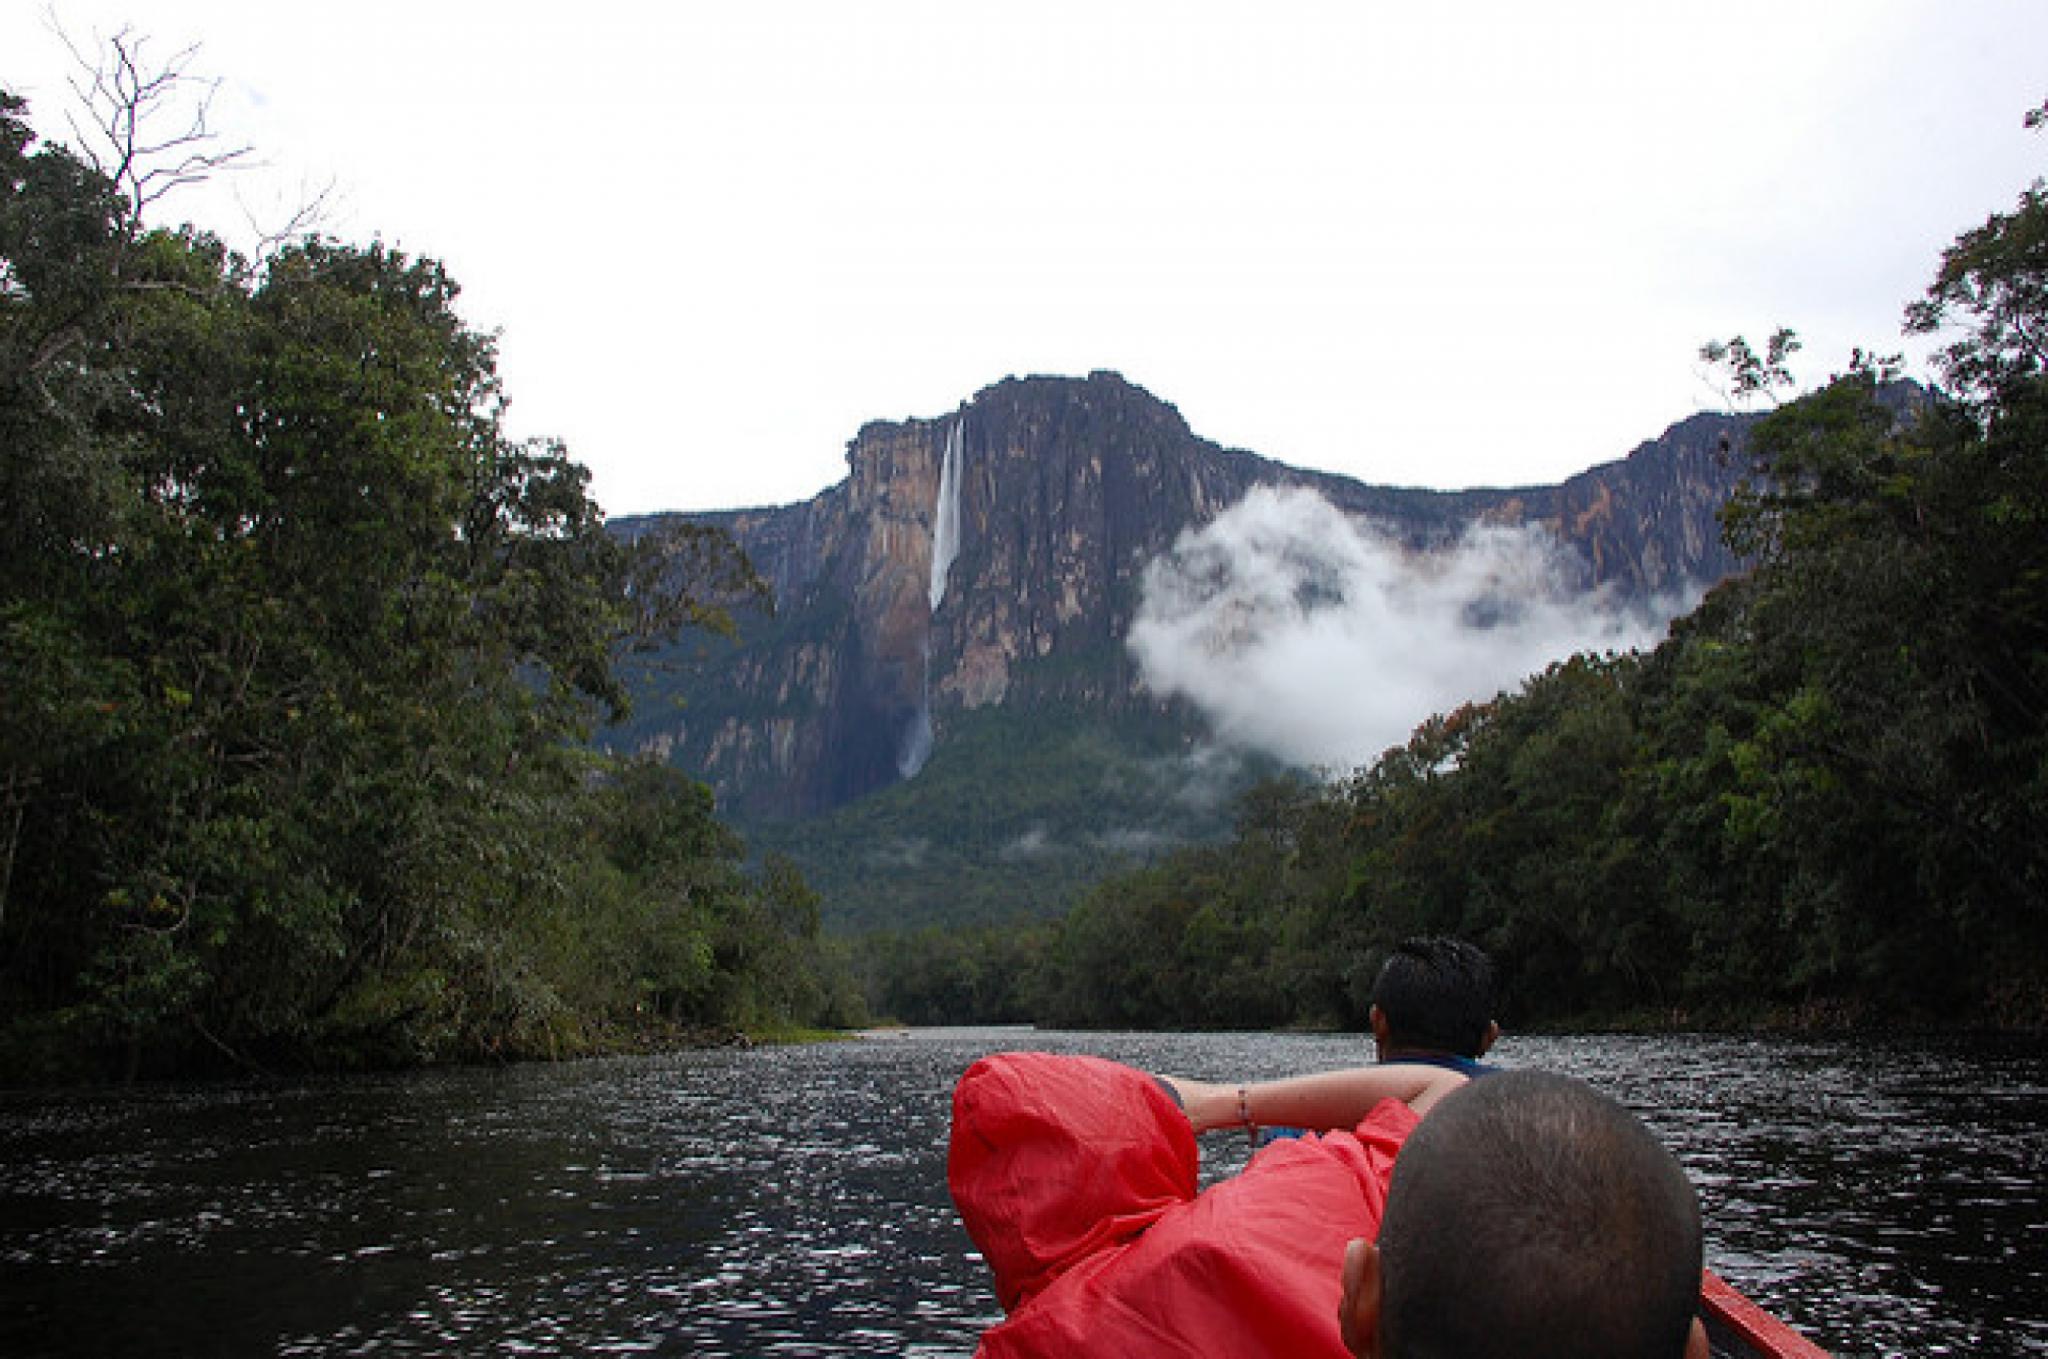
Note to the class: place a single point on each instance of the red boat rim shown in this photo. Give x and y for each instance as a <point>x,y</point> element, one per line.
<point>1726,1307</point>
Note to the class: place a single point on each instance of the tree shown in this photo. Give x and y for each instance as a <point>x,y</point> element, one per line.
<point>1994,280</point>
<point>1896,641</point>
<point>301,651</point>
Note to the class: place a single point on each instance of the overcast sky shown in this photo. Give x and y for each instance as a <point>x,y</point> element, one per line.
<point>1420,244</point>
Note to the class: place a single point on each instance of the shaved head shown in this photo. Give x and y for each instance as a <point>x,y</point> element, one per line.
<point>1531,1216</point>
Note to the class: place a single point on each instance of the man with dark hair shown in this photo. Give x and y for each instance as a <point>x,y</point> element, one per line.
<point>1432,1005</point>
<point>1539,1219</point>
<point>1434,1002</point>
<point>1529,1217</point>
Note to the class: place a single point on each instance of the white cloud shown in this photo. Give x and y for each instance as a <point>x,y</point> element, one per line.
<point>1135,840</point>
<point>900,853</point>
<point>1035,843</point>
<point>1314,637</point>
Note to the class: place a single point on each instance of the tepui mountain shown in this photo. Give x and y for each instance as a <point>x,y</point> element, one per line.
<point>983,567</point>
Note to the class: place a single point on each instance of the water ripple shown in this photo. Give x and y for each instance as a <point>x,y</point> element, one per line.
<point>1887,1197</point>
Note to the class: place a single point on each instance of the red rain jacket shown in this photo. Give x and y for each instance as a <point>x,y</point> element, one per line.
<point>1076,1178</point>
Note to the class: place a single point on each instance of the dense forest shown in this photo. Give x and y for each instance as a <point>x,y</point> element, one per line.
<point>1823,799</point>
<point>300,655</point>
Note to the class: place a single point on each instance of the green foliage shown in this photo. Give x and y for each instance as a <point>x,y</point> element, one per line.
<point>1083,796</point>
<point>1752,374</point>
<point>299,654</point>
<point>978,974</point>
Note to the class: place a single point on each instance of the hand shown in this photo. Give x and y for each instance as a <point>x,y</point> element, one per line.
<point>1207,1104</point>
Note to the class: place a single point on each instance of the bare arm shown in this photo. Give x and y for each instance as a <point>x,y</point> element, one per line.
<point>1322,1100</point>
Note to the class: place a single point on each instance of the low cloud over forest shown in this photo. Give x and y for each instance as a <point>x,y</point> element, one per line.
<point>1313,637</point>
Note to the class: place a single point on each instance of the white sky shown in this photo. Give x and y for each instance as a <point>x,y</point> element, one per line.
<point>1424,244</point>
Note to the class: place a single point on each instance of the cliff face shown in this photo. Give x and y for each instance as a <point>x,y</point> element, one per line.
<point>1045,499</point>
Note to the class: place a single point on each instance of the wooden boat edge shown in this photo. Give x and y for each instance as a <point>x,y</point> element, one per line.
<point>1724,1306</point>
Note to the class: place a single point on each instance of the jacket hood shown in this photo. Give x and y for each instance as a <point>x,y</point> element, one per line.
<point>1055,1157</point>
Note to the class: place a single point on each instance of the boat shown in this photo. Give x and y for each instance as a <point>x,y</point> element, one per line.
<point>1739,1329</point>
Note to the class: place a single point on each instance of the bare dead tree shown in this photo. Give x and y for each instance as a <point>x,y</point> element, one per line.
<point>145,123</point>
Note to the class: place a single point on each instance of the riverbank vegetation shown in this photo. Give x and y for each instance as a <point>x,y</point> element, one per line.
<point>1823,799</point>
<point>300,654</point>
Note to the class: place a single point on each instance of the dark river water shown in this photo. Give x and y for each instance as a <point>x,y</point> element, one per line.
<point>1886,1196</point>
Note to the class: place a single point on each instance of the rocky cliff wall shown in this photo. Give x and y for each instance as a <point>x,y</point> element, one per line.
<point>1063,491</point>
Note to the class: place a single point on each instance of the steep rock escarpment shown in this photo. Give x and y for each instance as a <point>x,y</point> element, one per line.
<point>1060,492</point>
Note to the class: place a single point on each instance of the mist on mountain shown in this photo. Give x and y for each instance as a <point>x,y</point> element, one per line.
<point>1318,637</point>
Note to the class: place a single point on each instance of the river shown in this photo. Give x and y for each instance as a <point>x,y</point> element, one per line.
<point>1886,1195</point>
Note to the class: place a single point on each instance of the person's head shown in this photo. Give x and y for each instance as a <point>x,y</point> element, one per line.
<point>1529,1216</point>
<point>1434,995</point>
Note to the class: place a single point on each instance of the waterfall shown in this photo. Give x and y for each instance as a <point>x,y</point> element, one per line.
<point>917,741</point>
<point>946,518</point>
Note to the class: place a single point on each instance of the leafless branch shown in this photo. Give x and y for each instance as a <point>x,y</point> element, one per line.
<point>125,98</point>
<point>306,219</point>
